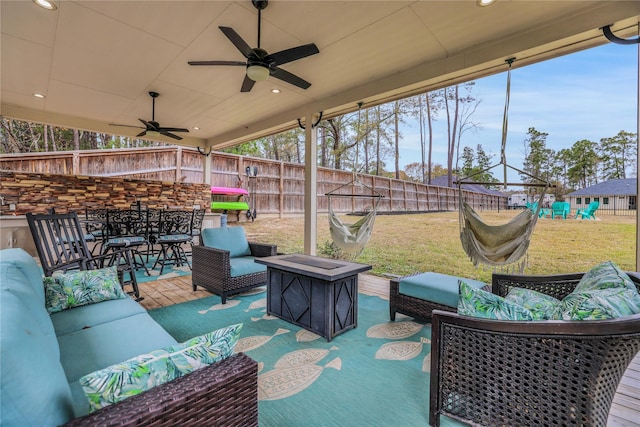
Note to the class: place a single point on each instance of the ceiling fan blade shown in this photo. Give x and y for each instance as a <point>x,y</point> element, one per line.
<point>162,129</point>
<point>217,63</point>
<point>237,41</point>
<point>293,54</point>
<point>286,76</point>
<point>143,133</point>
<point>126,126</point>
<point>247,84</point>
<point>170,135</point>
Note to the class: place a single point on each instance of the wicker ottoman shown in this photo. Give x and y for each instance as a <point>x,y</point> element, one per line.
<point>419,294</point>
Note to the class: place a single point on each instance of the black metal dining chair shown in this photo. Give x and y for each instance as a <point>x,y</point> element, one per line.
<point>126,229</point>
<point>174,232</point>
<point>61,246</point>
<point>95,223</point>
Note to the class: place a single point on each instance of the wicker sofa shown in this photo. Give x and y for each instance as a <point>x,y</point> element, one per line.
<point>529,373</point>
<point>43,356</point>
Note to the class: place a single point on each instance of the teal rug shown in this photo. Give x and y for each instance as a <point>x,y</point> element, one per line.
<point>168,272</point>
<point>374,375</point>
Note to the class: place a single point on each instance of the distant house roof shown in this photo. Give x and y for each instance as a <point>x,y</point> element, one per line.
<point>613,187</point>
<point>441,181</point>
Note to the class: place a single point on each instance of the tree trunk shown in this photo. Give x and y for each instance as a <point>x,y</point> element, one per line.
<point>45,139</point>
<point>53,139</point>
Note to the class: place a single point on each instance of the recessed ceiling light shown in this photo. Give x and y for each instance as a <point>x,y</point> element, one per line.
<point>275,90</point>
<point>483,3</point>
<point>45,4</point>
<point>196,128</point>
<point>38,95</point>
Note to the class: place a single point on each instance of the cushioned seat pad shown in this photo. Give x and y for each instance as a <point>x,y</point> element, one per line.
<point>435,287</point>
<point>97,347</point>
<point>245,265</point>
<point>77,318</point>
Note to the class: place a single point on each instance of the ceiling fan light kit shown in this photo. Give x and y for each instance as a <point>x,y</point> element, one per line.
<point>257,73</point>
<point>259,63</point>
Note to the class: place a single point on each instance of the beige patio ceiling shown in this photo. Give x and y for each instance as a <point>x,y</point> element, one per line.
<point>96,61</point>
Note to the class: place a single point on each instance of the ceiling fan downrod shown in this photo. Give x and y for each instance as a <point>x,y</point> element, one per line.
<point>153,95</point>
<point>260,5</point>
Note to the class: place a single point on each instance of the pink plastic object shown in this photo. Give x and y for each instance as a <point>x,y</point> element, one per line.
<point>229,191</point>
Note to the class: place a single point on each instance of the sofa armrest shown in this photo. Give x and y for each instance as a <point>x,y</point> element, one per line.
<point>206,260</point>
<point>222,394</point>
<point>262,249</point>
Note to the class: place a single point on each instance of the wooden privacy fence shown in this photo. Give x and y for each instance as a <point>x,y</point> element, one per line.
<point>279,186</point>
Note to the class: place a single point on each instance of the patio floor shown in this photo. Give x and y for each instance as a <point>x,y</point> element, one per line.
<point>625,411</point>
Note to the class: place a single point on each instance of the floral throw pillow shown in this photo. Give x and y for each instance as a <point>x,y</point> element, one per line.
<point>603,276</point>
<point>480,303</point>
<point>541,306</point>
<point>599,304</point>
<point>141,373</point>
<point>79,288</point>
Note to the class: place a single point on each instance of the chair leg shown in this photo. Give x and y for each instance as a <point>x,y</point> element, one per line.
<point>140,263</point>
<point>162,258</point>
<point>127,267</point>
<point>180,255</point>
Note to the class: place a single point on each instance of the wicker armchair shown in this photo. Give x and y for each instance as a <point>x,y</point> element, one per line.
<point>212,266</point>
<point>222,394</point>
<point>491,372</point>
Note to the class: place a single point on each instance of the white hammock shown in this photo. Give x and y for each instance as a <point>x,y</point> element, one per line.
<point>496,245</point>
<point>499,245</point>
<point>352,238</point>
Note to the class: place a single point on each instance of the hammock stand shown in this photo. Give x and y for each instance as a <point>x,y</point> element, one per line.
<point>505,245</point>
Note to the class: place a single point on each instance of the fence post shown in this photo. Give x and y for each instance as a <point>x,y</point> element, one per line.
<point>178,164</point>
<point>76,163</point>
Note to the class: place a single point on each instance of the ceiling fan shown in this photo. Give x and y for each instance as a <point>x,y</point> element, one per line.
<point>260,64</point>
<point>152,127</point>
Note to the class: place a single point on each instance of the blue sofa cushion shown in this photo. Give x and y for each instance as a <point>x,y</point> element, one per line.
<point>33,387</point>
<point>232,239</point>
<point>145,371</point>
<point>435,287</point>
<point>94,348</point>
<point>68,321</point>
<point>24,262</point>
<point>245,265</point>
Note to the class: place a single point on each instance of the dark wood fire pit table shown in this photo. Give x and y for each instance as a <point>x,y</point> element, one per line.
<point>318,294</point>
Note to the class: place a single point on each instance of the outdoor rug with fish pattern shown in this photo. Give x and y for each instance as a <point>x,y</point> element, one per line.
<point>168,272</point>
<point>374,375</point>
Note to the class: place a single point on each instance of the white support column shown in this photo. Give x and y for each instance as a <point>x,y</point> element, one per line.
<point>310,187</point>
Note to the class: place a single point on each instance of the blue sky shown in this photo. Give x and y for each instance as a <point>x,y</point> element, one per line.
<point>586,95</point>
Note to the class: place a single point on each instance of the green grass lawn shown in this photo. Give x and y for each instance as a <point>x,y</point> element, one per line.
<point>405,244</point>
